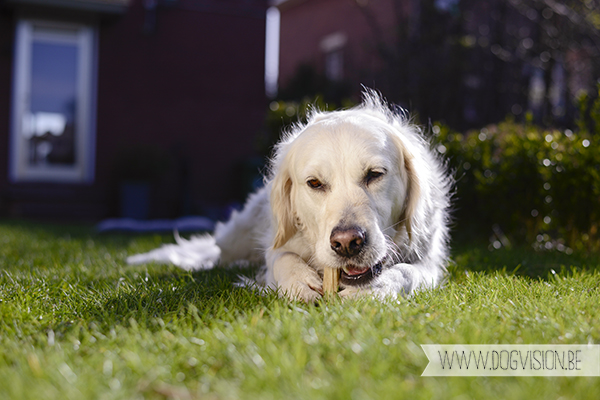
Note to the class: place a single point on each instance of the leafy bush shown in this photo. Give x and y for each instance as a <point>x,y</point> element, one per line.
<point>525,182</point>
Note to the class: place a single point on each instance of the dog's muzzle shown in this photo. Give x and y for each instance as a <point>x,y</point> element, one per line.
<point>348,243</point>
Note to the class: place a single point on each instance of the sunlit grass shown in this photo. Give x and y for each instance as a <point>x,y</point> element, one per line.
<point>77,322</point>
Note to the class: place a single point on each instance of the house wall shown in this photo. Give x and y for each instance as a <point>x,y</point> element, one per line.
<point>191,86</point>
<point>6,46</point>
<point>467,63</point>
<point>305,23</point>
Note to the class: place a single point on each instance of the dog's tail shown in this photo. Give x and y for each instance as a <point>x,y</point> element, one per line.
<point>197,253</point>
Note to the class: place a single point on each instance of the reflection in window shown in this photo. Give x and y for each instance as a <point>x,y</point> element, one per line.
<point>50,134</point>
<point>50,138</point>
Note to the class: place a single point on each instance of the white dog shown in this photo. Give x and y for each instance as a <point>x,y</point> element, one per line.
<point>359,190</point>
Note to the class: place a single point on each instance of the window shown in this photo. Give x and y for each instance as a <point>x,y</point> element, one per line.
<point>334,65</point>
<point>53,119</point>
<point>332,46</point>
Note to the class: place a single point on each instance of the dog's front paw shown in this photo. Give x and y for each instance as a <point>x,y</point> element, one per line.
<point>307,287</point>
<point>352,292</point>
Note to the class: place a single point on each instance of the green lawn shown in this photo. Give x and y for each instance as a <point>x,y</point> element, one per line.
<point>76,322</point>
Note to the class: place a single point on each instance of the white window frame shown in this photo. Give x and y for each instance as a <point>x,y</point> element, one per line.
<point>84,36</point>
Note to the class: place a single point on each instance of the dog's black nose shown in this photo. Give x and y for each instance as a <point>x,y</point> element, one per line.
<point>347,242</point>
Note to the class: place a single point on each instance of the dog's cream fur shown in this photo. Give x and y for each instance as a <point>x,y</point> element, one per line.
<point>365,167</point>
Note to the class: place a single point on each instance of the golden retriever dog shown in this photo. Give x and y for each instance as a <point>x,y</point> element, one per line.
<point>358,190</point>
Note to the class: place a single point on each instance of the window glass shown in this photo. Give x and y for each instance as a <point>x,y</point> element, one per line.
<point>50,122</point>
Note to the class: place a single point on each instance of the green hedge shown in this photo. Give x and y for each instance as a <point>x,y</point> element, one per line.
<point>520,182</point>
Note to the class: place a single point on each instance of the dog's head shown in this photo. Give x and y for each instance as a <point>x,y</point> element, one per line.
<point>347,183</point>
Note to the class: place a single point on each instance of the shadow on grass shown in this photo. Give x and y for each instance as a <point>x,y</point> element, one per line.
<point>519,260</point>
<point>76,277</point>
<point>198,297</point>
<point>35,235</point>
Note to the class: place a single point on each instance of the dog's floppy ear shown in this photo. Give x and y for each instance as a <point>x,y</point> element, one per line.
<point>281,206</point>
<point>413,189</point>
<point>412,194</point>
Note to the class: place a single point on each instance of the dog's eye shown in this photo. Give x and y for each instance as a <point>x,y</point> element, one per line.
<point>314,183</point>
<point>373,175</point>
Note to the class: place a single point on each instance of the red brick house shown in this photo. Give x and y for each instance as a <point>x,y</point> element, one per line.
<point>465,62</point>
<point>94,93</point>
<point>339,38</point>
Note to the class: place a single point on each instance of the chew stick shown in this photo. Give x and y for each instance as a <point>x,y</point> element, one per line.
<point>331,278</point>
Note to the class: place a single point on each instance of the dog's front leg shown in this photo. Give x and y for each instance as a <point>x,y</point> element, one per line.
<point>293,277</point>
<point>405,279</point>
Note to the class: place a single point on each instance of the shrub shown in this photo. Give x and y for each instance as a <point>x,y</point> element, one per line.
<point>527,183</point>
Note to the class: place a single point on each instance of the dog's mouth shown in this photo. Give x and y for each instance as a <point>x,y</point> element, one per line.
<point>356,276</point>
